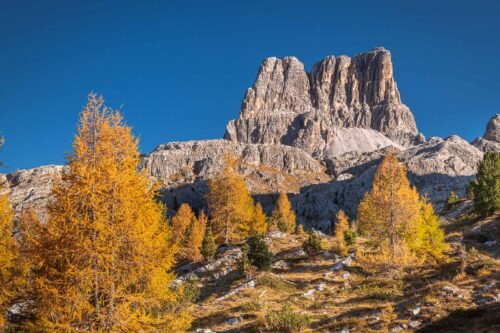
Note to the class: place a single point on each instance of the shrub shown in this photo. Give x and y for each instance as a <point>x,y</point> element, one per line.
<point>244,262</point>
<point>252,306</point>
<point>285,321</point>
<point>275,283</point>
<point>452,199</point>
<point>189,292</point>
<point>258,252</point>
<point>350,237</point>
<point>313,245</point>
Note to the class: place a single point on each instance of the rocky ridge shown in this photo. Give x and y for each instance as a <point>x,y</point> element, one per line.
<point>31,188</point>
<point>435,167</point>
<point>287,105</point>
<point>318,136</point>
<point>491,138</point>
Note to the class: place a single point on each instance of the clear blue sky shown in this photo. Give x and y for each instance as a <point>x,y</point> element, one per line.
<point>180,68</point>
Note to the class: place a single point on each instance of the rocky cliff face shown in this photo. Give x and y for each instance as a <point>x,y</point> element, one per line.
<point>318,136</point>
<point>287,105</point>
<point>31,188</point>
<point>435,167</point>
<point>183,169</point>
<point>491,138</point>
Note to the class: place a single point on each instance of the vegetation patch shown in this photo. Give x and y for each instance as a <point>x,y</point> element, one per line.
<point>284,321</point>
<point>275,283</point>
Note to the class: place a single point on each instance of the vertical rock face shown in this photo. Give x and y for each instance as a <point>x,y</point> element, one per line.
<point>493,129</point>
<point>31,188</point>
<point>287,105</point>
<point>279,87</point>
<point>491,138</point>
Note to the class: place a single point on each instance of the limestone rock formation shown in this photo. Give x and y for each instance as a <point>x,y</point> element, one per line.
<point>435,167</point>
<point>287,105</point>
<point>31,188</point>
<point>204,159</point>
<point>493,129</point>
<point>184,167</point>
<point>319,136</point>
<point>491,138</point>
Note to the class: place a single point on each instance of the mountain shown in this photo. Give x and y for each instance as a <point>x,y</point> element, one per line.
<point>316,135</point>
<point>491,138</point>
<point>287,105</point>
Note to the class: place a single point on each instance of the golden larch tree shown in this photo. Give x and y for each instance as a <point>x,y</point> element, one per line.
<point>193,238</point>
<point>389,213</point>
<point>11,272</point>
<point>101,262</point>
<point>181,221</point>
<point>258,224</point>
<point>283,215</point>
<point>429,240</point>
<point>230,205</point>
<point>341,226</point>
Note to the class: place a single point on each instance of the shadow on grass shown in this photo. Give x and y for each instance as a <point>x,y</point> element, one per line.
<point>220,317</point>
<point>220,286</point>
<point>358,314</point>
<point>483,319</point>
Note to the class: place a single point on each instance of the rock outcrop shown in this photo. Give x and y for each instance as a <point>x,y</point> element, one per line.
<point>183,169</point>
<point>319,136</point>
<point>287,105</point>
<point>435,167</point>
<point>491,138</point>
<point>31,188</point>
<point>203,159</point>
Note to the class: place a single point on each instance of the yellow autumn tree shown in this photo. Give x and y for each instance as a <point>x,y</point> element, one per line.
<point>230,205</point>
<point>181,221</point>
<point>341,226</point>
<point>283,215</point>
<point>11,272</point>
<point>258,224</point>
<point>429,241</point>
<point>193,237</point>
<point>389,213</point>
<point>101,262</point>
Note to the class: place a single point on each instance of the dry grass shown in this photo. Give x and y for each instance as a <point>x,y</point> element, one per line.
<point>375,297</point>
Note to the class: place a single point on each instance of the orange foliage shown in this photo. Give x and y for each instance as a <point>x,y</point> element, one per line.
<point>102,261</point>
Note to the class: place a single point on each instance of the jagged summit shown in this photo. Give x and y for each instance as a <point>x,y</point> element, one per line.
<point>493,129</point>
<point>288,105</point>
<point>491,138</point>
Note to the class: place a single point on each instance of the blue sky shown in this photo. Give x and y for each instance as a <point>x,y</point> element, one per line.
<point>179,69</point>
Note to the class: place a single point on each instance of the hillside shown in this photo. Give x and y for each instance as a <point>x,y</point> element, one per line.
<point>316,137</point>
<point>352,295</point>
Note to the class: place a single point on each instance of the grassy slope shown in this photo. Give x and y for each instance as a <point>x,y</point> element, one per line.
<point>372,298</point>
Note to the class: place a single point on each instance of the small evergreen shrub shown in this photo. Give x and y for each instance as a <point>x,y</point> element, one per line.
<point>313,245</point>
<point>258,252</point>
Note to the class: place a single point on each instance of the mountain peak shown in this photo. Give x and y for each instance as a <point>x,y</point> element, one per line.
<point>288,105</point>
<point>493,129</point>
